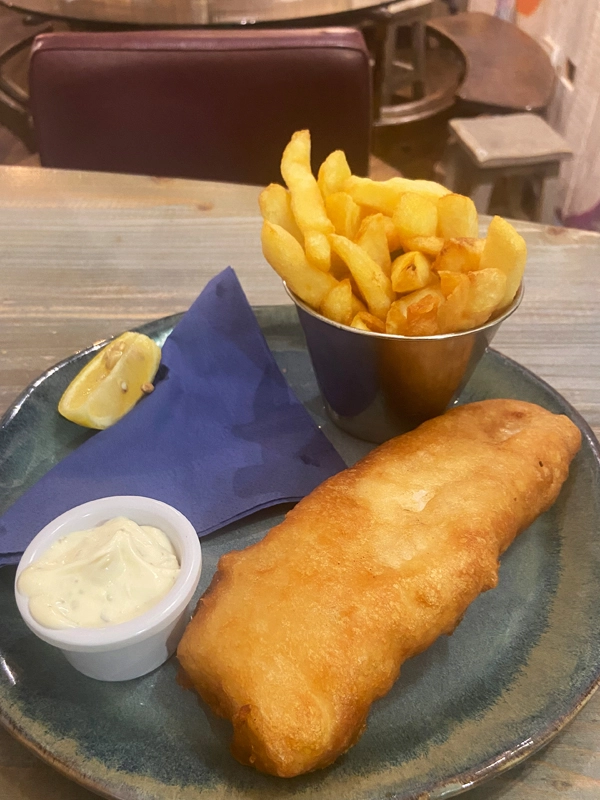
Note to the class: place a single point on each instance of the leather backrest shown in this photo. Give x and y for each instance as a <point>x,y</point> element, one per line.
<point>213,105</point>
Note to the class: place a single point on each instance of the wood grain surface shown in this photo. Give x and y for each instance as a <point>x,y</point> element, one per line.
<point>193,12</point>
<point>505,67</point>
<point>85,255</point>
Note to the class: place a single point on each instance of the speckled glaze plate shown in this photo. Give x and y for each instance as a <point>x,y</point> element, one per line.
<point>521,664</point>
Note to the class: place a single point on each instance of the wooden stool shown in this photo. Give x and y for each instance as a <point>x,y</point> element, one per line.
<point>519,147</point>
<point>506,69</point>
<point>17,31</point>
<point>391,72</point>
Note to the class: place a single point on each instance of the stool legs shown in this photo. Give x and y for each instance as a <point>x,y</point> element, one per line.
<point>389,57</point>
<point>459,174</point>
<point>418,47</point>
<point>515,185</point>
<point>548,199</point>
<point>481,194</point>
<point>411,14</point>
<point>455,170</point>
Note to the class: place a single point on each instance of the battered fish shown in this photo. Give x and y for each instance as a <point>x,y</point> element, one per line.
<point>297,635</point>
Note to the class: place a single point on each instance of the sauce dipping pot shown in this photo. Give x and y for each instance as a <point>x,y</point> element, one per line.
<point>129,649</point>
<point>376,386</point>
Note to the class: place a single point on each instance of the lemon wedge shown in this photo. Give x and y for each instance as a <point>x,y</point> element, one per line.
<point>112,382</point>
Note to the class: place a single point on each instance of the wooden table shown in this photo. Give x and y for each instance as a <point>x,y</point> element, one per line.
<point>198,12</point>
<point>86,255</point>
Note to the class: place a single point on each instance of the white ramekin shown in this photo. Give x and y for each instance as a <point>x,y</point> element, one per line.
<point>133,648</point>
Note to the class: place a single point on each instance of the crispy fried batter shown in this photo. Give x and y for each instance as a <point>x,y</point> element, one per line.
<point>297,635</point>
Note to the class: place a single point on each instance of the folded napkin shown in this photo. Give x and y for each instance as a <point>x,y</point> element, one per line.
<point>222,435</point>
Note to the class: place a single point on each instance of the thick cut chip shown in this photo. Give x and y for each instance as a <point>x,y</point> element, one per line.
<point>372,237</point>
<point>333,173</point>
<point>339,270</point>
<point>367,322</point>
<point>340,304</point>
<point>450,280</point>
<point>395,322</point>
<point>384,196</point>
<point>430,189</point>
<point>460,255</point>
<point>307,201</point>
<point>488,287</point>
<point>410,272</point>
<point>457,217</point>
<point>112,382</point>
<point>318,250</point>
<point>415,215</point>
<point>455,287</point>
<point>376,195</point>
<point>415,314</point>
<point>393,237</point>
<point>421,315</point>
<point>286,256</point>
<point>429,245</point>
<point>505,249</point>
<point>275,204</point>
<point>373,284</point>
<point>344,213</point>
<point>471,298</point>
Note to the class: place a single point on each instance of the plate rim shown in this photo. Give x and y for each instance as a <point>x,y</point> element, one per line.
<point>440,790</point>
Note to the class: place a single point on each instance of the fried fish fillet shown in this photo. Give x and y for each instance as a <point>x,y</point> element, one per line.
<point>299,634</point>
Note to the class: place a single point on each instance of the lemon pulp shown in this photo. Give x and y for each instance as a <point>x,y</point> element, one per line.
<point>112,382</point>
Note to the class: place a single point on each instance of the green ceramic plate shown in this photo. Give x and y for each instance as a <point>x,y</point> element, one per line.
<point>521,664</point>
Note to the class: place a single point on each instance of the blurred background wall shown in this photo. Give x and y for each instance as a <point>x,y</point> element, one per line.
<point>569,30</point>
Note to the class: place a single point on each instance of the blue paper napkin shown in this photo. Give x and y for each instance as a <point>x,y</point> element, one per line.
<point>221,436</point>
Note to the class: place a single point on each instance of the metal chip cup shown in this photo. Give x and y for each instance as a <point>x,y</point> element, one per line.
<point>376,385</point>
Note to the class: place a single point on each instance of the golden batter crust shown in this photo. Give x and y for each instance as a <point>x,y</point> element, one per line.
<point>298,634</point>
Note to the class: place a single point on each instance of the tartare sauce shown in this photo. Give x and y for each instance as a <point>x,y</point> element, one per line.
<point>100,577</point>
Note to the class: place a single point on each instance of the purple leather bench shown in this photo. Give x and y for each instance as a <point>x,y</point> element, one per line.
<point>213,105</point>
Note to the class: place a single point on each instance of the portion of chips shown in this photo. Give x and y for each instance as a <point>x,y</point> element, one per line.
<point>398,256</point>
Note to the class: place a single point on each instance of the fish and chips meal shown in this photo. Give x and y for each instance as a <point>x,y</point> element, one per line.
<point>398,256</point>
<point>298,634</point>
